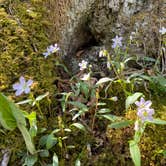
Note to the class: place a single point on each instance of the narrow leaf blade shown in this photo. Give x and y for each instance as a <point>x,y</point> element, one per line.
<point>104,80</point>
<point>131,99</point>
<point>135,153</point>
<point>158,121</point>
<point>79,126</point>
<point>55,160</point>
<point>121,124</point>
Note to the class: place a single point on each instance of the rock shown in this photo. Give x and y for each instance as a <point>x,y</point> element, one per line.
<point>93,23</point>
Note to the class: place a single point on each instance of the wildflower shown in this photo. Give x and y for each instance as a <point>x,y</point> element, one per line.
<point>143,104</point>
<point>146,114</point>
<point>103,53</point>
<point>51,49</point>
<point>46,54</point>
<point>83,65</point>
<point>144,111</point>
<point>23,86</point>
<point>54,48</point>
<point>162,30</point>
<point>86,77</point>
<point>117,42</point>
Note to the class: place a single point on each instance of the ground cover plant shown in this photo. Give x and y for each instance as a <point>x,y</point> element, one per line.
<point>50,117</point>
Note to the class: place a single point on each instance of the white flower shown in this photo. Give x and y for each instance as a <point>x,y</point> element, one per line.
<point>22,86</point>
<point>117,42</point>
<point>83,65</point>
<point>51,49</point>
<point>86,77</point>
<point>162,30</point>
<point>144,112</point>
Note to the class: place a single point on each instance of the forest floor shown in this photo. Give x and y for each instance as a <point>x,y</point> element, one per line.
<point>73,120</point>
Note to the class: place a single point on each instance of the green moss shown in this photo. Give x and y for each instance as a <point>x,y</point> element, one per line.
<point>23,39</point>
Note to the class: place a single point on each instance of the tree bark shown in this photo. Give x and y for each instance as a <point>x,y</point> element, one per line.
<point>91,25</point>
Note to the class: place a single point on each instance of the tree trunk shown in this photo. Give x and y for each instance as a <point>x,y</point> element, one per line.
<point>91,24</point>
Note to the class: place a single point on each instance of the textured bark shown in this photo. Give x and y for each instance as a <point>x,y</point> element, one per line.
<point>85,24</point>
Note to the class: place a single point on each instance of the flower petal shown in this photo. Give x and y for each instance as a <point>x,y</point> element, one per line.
<point>137,103</point>
<point>142,100</point>
<point>19,92</point>
<point>150,111</point>
<point>27,90</point>
<point>148,103</point>
<point>16,86</point>
<point>46,54</point>
<point>113,45</point>
<point>29,82</point>
<point>22,80</point>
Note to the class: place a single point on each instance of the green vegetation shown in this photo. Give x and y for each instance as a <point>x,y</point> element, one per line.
<point>82,120</point>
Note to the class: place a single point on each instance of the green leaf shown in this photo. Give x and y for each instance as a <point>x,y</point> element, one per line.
<point>64,100</point>
<point>32,118</point>
<point>9,109</point>
<point>84,89</point>
<point>129,59</point>
<point>79,126</point>
<point>78,162</point>
<point>43,140</point>
<point>135,153</point>
<point>12,117</point>
<point>25,101</point>
<point>158,121</point>
<point>32,121</point>
<point>133,98</point>
<point>161,80</point>
<point>101,104</point>
<point>33,131</point>
<point>104,110</point>
<point>103,80</point>
<point>42,96</point>
<point>81,112</point>
<point>121,124</point>
<point>110,117</point>
<point>67,130</point>
<point>55,160</point>
<point>56,131</point>
<point>51,141</point>
<point>44,153</point>
<point>146,58</point>
<point>30,160</point>
<point>162,151</point>
<point>79,105</point>
<point>77,115</point>
<point>7,118</point>
<point>28,140</point>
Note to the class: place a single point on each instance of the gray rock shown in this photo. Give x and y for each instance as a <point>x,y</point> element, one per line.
<point>93,23</point>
